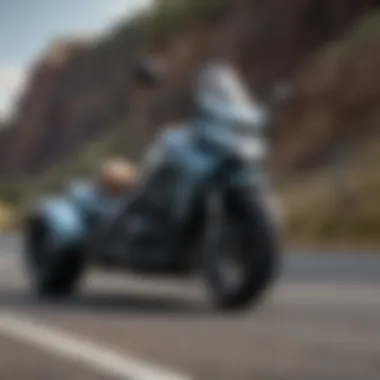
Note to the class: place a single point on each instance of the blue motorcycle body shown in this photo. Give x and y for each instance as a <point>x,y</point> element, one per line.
<point>189,172</point>
<point>71,217</point>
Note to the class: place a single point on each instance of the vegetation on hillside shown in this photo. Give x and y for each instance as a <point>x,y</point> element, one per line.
<point>166,18</point>
<point>321,209</point>
<point>170,15</point>
<point>84,165</point>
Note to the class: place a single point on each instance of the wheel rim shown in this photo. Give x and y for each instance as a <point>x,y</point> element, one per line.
<point>224,254</point>
<point>228,263</point>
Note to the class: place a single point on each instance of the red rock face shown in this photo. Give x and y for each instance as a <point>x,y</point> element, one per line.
<point>82,90</point>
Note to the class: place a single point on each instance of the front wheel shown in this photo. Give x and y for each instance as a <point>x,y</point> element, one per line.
<point>240,250</point>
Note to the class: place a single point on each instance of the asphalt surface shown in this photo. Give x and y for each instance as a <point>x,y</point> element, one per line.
<point>320,321</point>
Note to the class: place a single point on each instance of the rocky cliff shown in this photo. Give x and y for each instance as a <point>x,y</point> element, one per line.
<point>81,90</point>
<point>336,103</point>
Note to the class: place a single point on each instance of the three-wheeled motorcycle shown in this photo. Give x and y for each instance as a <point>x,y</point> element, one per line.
<point>198,207</point>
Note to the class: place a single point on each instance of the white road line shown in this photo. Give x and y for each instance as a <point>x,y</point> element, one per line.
<point>6,267</point>
<point>9,260</point>
<point>79,350</point>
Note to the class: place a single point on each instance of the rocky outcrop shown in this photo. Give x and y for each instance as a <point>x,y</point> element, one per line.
<point>336,101</point>
<point>71,99</point>
<point>80,90</point>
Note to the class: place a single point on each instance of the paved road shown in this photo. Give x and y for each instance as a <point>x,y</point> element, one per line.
<point>322,321</point>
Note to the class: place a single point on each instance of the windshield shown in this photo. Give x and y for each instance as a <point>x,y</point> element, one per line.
<point>222,94</point>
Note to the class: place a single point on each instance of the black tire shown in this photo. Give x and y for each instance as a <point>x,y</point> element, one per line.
<point>53,274</point>
<point>259,250</point>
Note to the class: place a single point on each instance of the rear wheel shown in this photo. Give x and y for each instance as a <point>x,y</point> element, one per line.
<point>53,273</point>
<point>241,250</point>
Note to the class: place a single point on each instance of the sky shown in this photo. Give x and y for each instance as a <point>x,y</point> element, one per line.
<point>27,27</point>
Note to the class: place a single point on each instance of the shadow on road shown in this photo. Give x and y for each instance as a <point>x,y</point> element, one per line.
<point>107,302</point>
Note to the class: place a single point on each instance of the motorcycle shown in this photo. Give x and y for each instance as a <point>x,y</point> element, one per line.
<point>198,207</point>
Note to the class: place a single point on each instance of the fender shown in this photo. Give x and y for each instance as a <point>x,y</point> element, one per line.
<point>64,221</point>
